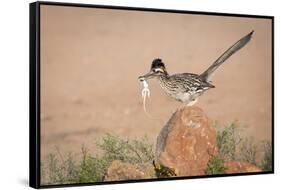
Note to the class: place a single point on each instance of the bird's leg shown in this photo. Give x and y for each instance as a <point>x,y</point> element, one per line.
<point>192,102</point>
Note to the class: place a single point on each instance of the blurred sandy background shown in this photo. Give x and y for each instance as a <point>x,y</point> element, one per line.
<point>91,58</point>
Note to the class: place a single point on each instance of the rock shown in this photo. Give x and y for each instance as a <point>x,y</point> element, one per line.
<point>123,171</point>
<point>240,167</point>
<point>187,142</point>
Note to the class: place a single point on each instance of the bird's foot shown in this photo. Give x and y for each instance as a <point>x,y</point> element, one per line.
<point>191,103</point>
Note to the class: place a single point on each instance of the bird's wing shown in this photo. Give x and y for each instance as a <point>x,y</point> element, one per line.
<point>192,81</point>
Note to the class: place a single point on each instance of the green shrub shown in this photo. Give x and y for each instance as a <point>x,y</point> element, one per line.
<point>92,168</point>
<point>232,146</point>
<point>248,150</point>
<point>134,151</point>
<point>266,163</point>
<point>215,166</point>
<point>56,171</point>
<point>228,139</point>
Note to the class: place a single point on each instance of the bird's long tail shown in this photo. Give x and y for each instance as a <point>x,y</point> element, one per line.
<point>234,48</point>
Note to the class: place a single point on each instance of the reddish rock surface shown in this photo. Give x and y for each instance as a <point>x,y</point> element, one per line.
<point>123,171</point>
<point>240,167</point>
<point>187,142</point>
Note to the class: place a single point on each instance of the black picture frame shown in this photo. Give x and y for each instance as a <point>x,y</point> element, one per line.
<point>34,98</point>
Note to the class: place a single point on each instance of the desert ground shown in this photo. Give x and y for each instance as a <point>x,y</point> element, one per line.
<point>91,59</point>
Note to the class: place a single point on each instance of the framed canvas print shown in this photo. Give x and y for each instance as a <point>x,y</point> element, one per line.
<point>121,94</point>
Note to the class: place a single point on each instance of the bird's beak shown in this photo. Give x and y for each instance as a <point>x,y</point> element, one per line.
<point>149,75</point>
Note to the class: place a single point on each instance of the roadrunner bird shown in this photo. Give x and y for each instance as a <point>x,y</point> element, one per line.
<point>187,87</point>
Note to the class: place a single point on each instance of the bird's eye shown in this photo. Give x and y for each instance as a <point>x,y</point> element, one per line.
<point>156,70</point>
